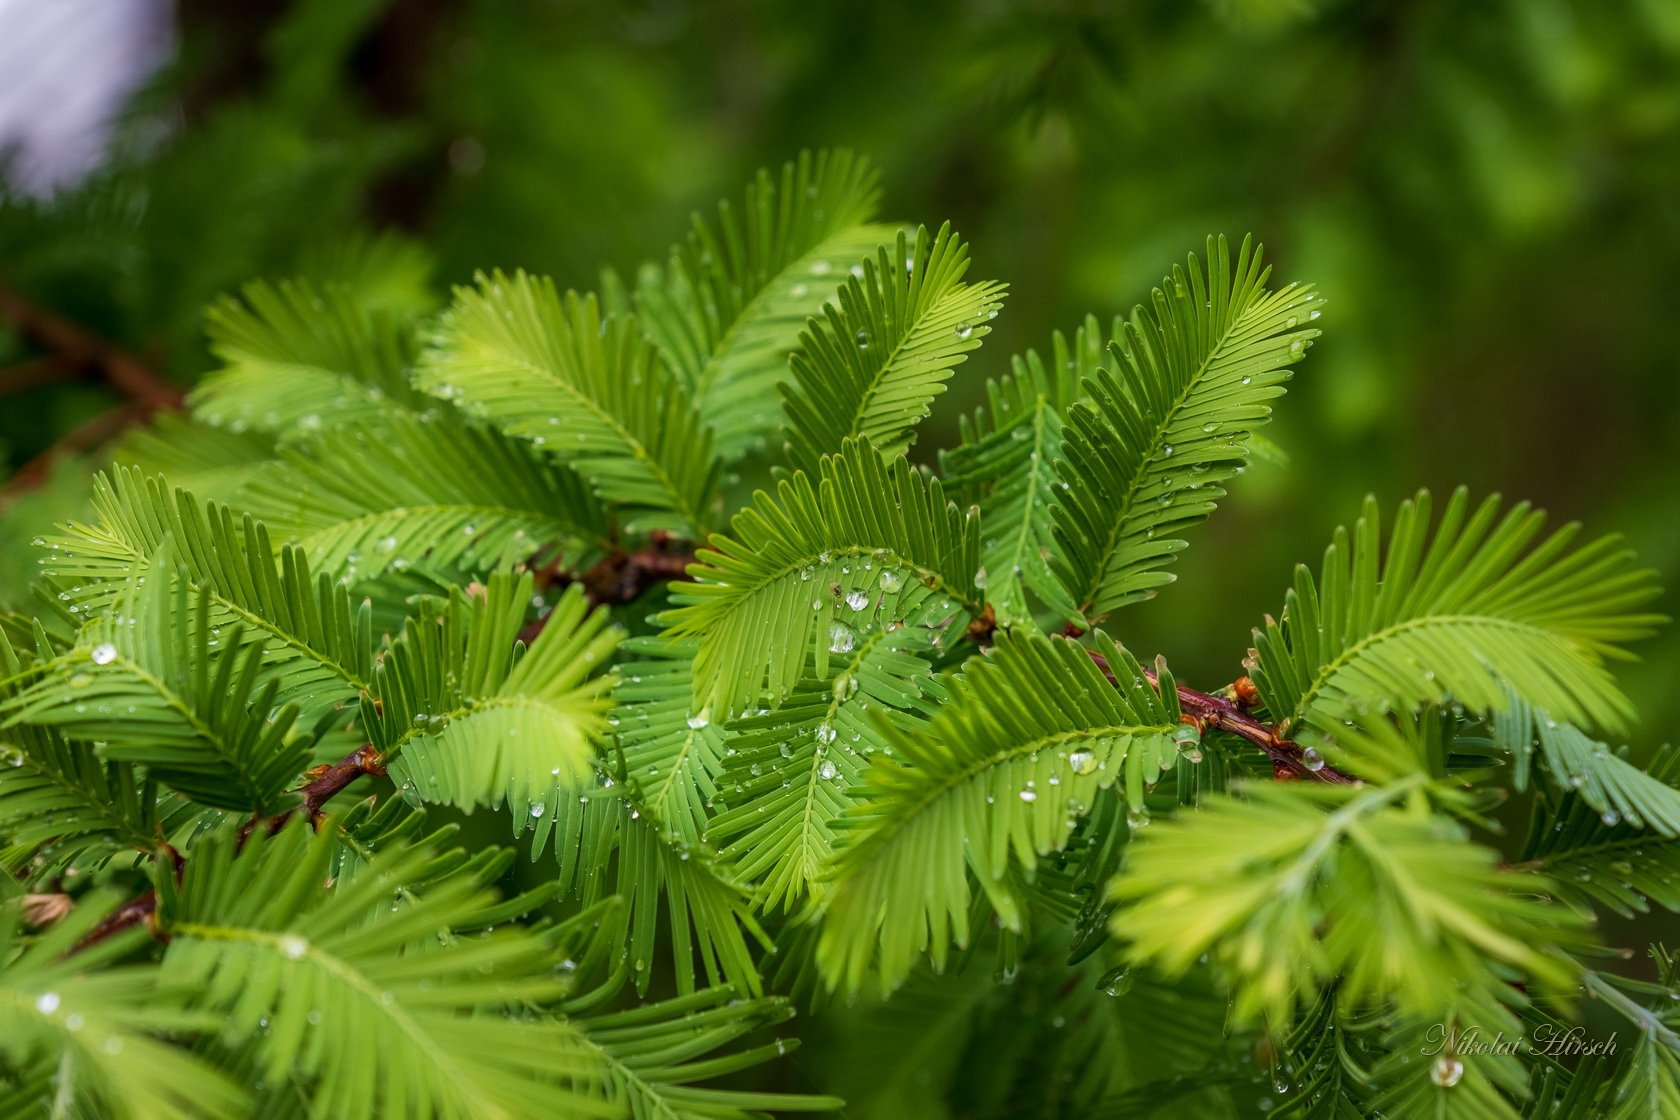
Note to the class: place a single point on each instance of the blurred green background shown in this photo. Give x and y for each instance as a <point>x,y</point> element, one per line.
<point>1486,193</point>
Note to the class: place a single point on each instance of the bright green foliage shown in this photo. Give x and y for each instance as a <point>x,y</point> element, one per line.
<point>298,359</point>
<point>727,310</point>
<point>1169,422</point>
<point>1025,741</point>
<point>427,489</point>
<point>446,756</point>
<point>1008,458</point>
<point>554,371</point>
<point>869,543</point>
<point>796,770</point>
<point>90,1025</point>
<point>871,366</point>
<point>1464,615</point>
<point>1253,879</point>
<point>151,683</point>
<point>257,941</point>
<point>467,715</point>
<point>317,644</point>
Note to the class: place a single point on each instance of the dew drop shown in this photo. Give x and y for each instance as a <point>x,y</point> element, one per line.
<point>104,653</point>
<point>841,639</point>
<point>1447,1071</point>
<point>1117,982</point>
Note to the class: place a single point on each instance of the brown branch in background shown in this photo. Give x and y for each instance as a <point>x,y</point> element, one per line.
<point>325,783</point>
<point>622,577</point>
<point>1289,759</point>
<point>126,916</point>
<point>74,351</point>
<point>619,577</point>
<point>36,372</point>
<point>78,347</point>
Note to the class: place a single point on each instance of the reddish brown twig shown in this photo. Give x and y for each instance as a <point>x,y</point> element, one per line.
<point>35,372</point>
<point>325,783</point>
<point>72,349</point>
<point>620,576</point>
<point>126,916</point>
<point>330,781</point>
<point>79,347</point>
<point>1289,759</point>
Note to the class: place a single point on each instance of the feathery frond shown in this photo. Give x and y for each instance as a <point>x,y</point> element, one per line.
<point>794,770</point>
<point>1604,779</point>
<point>606,844</point>
<point>317,646</point>
<point>1147,455</point>
<point>354,996</point>
<point>871,366</point>
<point>429,487</point>
<point>587,389</point>
<point>1462,615</point>
<point>727,310</point>
<point>299,358</point>
<point>869,545</point>
<point>1008,461</point>
<point>465,714</point>
<point>1291,886</point>
<point>60,803</point>
<point>675,756</point>
<point>152,684</point>
<point>653,1056</point>
<point>99,1027</point>
<point>1603,856</point>
<point>1029,737</point>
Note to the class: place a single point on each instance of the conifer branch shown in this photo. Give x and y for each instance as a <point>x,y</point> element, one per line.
<point>329,781</point>
<point>1290,762</point>
<point>325,783</point>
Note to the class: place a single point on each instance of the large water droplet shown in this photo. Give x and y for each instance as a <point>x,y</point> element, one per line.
<point>841,639</point>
